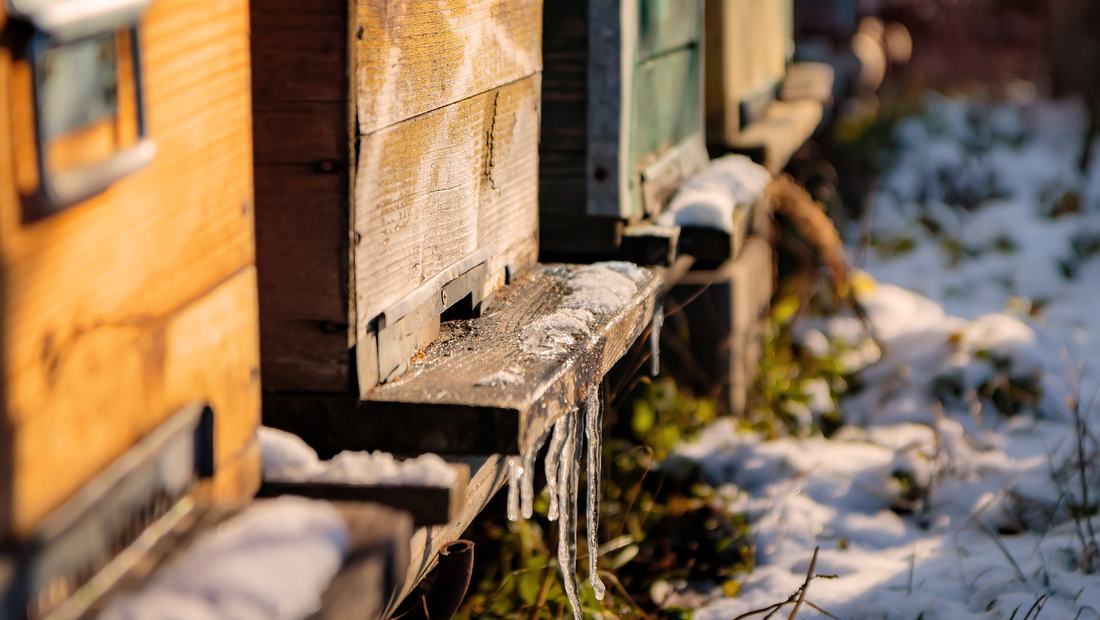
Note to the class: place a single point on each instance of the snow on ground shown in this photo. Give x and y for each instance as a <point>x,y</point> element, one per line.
<point>982,292</point>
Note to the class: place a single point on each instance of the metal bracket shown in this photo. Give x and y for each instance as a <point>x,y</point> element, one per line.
<point>104,517</point>
<point>62,22</point>
<point>412,323</point>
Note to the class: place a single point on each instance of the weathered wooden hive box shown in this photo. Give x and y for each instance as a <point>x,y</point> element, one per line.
<point>127,280</point>
<point>396,176</point>
<point>622,117</point>
<point>748,46</point>
<point>748,43</point>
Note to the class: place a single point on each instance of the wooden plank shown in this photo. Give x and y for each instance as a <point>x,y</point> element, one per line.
<point>302,150</point>
<point>376,562</point>
<point>302,262</point>
<point>730,307</point>
<point>490,475</point>
<point>299,50</point>
<point>786,127</point>
<point>746,55</point>
<point>115,385</point>
<point>428,505</point>
<point>94,299</point>
<point>415,56</point>
<point>448,403</point>
<point>434,189</point>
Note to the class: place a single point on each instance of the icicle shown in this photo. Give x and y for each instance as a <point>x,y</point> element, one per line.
<point>568,473</point>
<point>527,479</point>
<point>515,471</point>
<point>593,430</point>
<point>553,463</point>
<point>655,339</point>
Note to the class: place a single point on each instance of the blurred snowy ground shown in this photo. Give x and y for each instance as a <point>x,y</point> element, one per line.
<point>955,490</point>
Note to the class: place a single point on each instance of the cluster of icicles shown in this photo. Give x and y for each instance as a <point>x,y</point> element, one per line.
<point>563,460</point>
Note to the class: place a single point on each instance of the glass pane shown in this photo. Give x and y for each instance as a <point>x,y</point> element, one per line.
<point>77,84</point>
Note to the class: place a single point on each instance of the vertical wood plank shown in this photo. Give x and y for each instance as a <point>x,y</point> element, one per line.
<point>437,187</point>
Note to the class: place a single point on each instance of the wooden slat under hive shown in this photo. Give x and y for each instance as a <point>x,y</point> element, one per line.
<point>728,306</point>
<point>448,401</point>
<point>428,504</point>
<point>121,309</point>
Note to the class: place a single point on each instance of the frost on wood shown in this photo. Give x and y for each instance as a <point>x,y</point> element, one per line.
<point>594,290</point>
<point>510,376</point>
<point>709,199</point>
<point>286,458</point>
<point>275,560</point>
<point>593,429</point>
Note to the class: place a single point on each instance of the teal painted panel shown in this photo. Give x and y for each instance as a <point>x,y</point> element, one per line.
<point>667,25</point>
<point>666,108</point>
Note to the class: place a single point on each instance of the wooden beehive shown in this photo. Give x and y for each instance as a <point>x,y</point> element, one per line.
<point>749,43</point>
<point>747,50</point>
<point>396,176</point>
<point>127,286</point>
<point>622,117</point>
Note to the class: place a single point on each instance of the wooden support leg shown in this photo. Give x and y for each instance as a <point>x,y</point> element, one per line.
<point>726,315</point>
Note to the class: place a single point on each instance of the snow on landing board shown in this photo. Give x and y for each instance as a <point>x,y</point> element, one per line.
<point>428,487</point>
<point>557,331</point>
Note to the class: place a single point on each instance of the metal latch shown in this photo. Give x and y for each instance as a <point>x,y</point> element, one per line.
<point>413,322</point>
<point>50,574</point>
<point>90,121</point>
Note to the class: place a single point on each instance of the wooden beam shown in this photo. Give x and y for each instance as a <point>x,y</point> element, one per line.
<point>415,56</point>
<point>490,473</point>
<point>302,151</point>
<point>785,128</point>
<point>448,401</point>
<point>429,505</point>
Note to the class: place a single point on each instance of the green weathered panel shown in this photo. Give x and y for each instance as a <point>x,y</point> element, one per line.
<point>666,25</point>
<point>666,106</point>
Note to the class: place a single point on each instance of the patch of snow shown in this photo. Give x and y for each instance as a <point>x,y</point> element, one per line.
<point>286,458</point>
<point>510,376</point>
<point>594,290</point>
<point>710,198</point>
<point>274,560</point>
